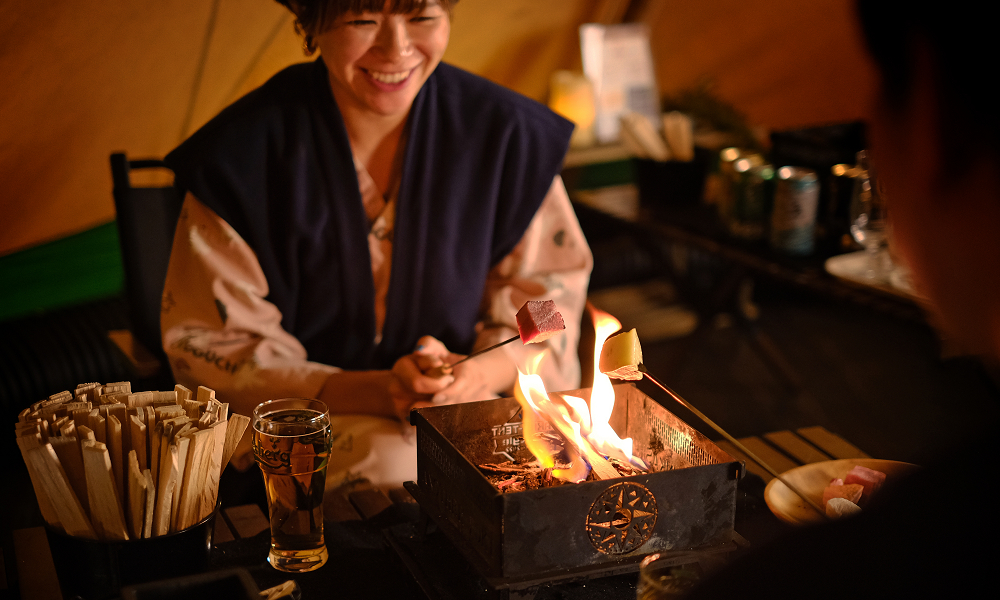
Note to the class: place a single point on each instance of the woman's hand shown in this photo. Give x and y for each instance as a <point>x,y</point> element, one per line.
<point>417,377</point>
<point>422,382</point>
<point>476,379</point>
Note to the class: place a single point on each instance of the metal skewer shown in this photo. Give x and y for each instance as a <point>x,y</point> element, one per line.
<point>732,440</point>
<point>445,369</point>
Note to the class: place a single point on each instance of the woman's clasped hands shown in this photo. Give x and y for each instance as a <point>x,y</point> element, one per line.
<point>421,378</point>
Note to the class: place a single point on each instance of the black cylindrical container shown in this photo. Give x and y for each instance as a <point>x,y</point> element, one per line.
<point>97,569</point>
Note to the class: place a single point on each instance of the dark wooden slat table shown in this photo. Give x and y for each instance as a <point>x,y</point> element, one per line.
<point>784,450</point>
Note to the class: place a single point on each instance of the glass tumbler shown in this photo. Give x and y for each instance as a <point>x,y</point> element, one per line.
<point>291,444</point>
<point>660,578</point>
<point>869,219</point>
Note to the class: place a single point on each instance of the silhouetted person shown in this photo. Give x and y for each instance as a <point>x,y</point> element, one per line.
<point>934,135</point>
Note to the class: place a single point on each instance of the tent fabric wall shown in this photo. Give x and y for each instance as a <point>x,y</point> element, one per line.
<point>84,78</point>
<point>89,77</point>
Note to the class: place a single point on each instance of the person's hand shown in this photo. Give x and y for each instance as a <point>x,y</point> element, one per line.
<point>479,378</point>
<point>417,377</point>
<point>471,381</point>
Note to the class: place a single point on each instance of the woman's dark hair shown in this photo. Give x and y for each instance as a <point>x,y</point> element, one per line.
<point>314,16</point>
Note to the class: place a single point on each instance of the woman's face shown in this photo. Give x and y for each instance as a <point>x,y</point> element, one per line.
<point>378,61</point>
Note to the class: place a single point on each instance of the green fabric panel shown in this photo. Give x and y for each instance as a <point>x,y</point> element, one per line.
<point>600,175</point>
<point>72,270</point>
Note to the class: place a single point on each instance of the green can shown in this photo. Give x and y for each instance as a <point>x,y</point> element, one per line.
<point>733,162</point>
<point>724,183</point>
<point>753,192</point>
<point>793,220</point>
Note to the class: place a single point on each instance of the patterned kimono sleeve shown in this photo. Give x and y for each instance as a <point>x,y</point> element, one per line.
<point>218,329</point>
<point>551,262</point>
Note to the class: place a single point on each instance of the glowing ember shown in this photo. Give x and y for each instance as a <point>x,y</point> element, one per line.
<point>588,438</point>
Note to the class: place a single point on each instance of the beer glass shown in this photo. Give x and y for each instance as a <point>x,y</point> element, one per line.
<point>291,444</point>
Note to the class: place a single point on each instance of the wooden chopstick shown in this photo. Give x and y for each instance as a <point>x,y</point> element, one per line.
<point>107,463</point>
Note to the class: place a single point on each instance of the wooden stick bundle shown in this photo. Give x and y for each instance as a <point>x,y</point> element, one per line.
<point>107,463</point>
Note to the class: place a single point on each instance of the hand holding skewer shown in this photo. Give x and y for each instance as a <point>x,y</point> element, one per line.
<point>427,377</point>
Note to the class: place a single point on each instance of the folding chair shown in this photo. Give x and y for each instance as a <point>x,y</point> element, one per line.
<point>147,218</point>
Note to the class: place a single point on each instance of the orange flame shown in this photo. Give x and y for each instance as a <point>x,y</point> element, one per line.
<point>585,429</point>
<point>540,415</point>
<point>602,397</point>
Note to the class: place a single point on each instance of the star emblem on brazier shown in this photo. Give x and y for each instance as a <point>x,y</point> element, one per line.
<point>622,518</point>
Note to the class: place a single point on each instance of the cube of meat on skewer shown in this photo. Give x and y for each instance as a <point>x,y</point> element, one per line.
<point>538,320</point>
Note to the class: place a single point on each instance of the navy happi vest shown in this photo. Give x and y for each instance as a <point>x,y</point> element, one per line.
<point>277,166</point>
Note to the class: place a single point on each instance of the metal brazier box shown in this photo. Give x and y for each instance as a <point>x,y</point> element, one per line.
<point>687,500</point>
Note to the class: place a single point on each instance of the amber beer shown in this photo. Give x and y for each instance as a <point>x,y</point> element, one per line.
<point>291,443</point>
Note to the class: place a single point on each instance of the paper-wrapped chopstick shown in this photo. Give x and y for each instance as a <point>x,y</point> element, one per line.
<point>107,463</point>
<point>642,138</point>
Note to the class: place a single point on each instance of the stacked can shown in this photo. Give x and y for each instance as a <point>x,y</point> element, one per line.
<point>724,188</point>
<point>734,166</point>
<point>793,220</point>
<point>752,192</point>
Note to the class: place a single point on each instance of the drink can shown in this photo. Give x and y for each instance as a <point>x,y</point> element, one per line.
<point>730,177</point>
<point>793,219</point>
<point>752,196</point>
<point>723,187</point>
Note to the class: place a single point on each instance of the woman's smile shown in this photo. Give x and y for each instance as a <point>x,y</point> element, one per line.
<point>389,78</point>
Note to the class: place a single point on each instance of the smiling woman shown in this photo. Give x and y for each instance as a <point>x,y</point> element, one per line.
<point>362,219</point>
<point>379,53</point>
<point>378,61</point>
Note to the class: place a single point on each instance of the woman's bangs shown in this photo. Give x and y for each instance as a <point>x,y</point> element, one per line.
<point>323,14</point>
<point>395,6</point>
